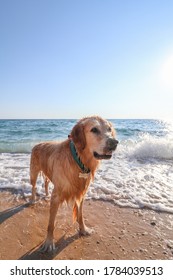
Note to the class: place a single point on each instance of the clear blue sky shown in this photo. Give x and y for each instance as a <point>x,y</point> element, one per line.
<point>69,58</point>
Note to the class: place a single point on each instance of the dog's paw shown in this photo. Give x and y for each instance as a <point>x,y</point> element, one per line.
<point>86,231</point>
<point>32,202</point>
<point>48,246</point>
<point>32,199</point>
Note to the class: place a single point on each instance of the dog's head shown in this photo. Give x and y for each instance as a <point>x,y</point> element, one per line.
<point>96,135</point>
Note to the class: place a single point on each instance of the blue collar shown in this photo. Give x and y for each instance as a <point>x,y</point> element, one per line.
<point>77,158</point>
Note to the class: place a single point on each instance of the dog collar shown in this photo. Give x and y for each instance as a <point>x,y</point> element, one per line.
<point>77,158</point>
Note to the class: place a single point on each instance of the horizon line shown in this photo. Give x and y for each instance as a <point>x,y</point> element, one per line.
<point>80,118</point>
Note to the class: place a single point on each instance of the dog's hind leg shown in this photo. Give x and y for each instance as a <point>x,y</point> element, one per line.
<point>46,185</point>
<point>34,171</point>
<point>33,181</point>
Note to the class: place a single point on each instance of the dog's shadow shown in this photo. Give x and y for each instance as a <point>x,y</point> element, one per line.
<point>36,253</point>
<point>60,245</point>
<point>12,211</point>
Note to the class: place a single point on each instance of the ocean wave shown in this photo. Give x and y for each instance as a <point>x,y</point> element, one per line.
<point>125,180</point>
<point>19,147</point>
<point>149,147</point>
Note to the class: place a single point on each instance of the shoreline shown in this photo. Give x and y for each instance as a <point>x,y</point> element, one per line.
<point>119,233</point>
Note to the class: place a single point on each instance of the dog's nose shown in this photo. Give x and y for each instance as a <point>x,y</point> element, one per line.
<point>112,144</point>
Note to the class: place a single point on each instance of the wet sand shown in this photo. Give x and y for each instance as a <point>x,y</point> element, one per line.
<point>119,233</point>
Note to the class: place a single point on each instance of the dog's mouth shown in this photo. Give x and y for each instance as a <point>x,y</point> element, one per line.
<point>104,156</point>
<point>110,147</point>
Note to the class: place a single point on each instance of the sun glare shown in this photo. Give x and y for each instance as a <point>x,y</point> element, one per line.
<point>167,72</point>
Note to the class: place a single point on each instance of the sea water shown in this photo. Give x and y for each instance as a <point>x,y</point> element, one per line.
<point>139,175</point>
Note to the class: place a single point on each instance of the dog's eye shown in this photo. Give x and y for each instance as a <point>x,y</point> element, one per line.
<point>95,130</point>
<point>109,129</point>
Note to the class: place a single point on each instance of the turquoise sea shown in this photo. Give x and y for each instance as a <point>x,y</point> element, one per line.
<point>140,173</point>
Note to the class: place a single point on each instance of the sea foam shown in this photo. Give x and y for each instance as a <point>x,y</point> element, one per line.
<point>140,175</point>
<point>149,147</point>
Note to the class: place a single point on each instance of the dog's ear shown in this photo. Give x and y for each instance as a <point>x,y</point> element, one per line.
<point>113,129</point>
<point>78,136</point>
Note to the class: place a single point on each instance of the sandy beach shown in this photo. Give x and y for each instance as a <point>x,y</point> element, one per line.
<point>119,233</point>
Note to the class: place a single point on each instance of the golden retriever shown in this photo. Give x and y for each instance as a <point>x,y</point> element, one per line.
<point>70,165</point>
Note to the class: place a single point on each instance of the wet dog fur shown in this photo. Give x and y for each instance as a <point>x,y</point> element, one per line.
<point>94,140</point>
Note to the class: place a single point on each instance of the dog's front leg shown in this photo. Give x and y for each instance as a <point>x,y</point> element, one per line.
<point>49,243</point>
<point>83,229</point>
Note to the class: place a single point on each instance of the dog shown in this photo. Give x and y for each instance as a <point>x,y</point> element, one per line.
<point>70,165</point>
